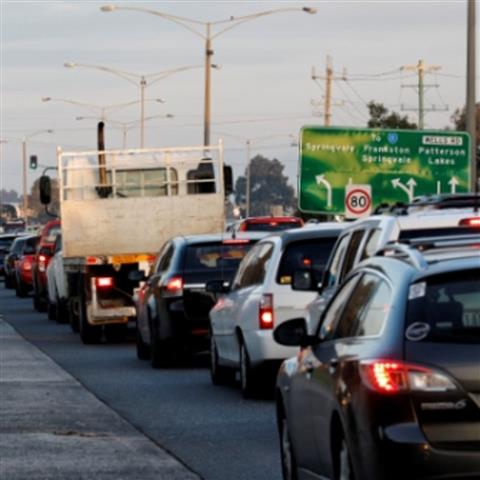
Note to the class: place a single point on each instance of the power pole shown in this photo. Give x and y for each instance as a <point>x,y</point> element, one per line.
<point>327,102</point>
<point>421,69</point>
<point>471,108</point>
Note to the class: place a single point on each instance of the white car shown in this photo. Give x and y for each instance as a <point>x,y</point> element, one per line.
<point>56,285</point>
<point>259,299</point>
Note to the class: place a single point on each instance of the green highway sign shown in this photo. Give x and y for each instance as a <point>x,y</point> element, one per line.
<point>397,164</point>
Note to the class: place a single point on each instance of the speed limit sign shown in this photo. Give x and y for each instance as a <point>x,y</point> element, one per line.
<point>358,201</point>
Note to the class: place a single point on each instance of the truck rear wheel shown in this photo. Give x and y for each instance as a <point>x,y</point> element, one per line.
<point>89,334</point>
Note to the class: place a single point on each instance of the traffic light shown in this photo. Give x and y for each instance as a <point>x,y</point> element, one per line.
<point>33,162</point>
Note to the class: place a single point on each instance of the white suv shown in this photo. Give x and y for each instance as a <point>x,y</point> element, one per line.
<point>364,238</point>
<point>260,298</point>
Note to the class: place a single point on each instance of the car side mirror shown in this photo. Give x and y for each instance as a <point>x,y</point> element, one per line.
<point>304,280</point>
<point>217,286</point>
<point>45,190</point>
<point>293,333</point>
<point>137,276</point>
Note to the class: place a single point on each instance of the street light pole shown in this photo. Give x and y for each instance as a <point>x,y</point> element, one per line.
<point>471,108</point>
<point>192,25</point>
<point>247,180</point>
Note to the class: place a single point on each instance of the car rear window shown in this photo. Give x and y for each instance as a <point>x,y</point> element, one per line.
<point>445,308</point>
<point>271,226</point>
<point>215,256</point>
<point>313,253</point>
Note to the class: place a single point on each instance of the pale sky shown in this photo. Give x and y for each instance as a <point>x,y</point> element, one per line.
<point>264,87</point>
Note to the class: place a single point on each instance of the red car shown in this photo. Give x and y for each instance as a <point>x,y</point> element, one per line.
<point>269,224</point>
<point>40,264</point>
<point>23,266</point>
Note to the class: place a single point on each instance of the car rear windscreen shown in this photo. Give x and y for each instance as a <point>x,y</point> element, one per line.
<point>215,256</point>
<point>271,226</point>
<point>445,308</point>
<point>310,254</point>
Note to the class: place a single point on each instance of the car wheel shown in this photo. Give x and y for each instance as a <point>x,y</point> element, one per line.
<point>38,303</point>
<point>51,311</point>
<point>161,351</point>
<point>219,374</point>
<point>143,350</point>
<point>289,464</point>
<point>21,290</point>
<point>89,334</point>
<point>343,461</point>
<point>73,319</point>
<point>62,314</point>
<point>248,376</point>
<point>8,282</point>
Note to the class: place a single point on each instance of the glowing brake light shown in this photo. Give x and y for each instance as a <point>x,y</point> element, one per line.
<point>104,282</point>
<point>266,317</point>
<point>42,263</point>
<point>470,222</point>
<point>174,285</point>
<point>236,241</point>
<point>390,377</point>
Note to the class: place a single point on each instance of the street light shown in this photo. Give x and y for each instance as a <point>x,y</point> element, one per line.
<point>137,80</point>
<point>248,142</point>
<point>25,168</point>
<point>100,110</point>
<point>126,126</point>
<point>193,26</point>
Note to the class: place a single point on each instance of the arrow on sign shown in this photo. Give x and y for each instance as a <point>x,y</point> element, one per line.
<point>453,184</point>
<point>320,179</point>
<point>408,189</point>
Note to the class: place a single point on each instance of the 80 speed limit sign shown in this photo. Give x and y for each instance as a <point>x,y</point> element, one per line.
<point>358,201</point>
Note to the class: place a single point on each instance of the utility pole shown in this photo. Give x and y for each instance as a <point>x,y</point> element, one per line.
<point>421,69</point>
<point>327,102</point>
<point>471,108</point>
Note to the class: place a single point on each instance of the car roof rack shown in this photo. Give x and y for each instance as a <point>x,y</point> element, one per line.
<point>413,249</point>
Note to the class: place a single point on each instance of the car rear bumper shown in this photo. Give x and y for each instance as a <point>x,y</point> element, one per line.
<point>263,348</point>
<point>405,453</point>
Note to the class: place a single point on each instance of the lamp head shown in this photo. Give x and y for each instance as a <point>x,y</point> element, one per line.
<point>160,100</point>
<point>69,65</point>
<point>46,99</point>
<point>108,8</point>
<point>310,10</point>
<point>169,115</point>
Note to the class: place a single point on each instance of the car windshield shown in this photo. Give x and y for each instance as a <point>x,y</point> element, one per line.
<point>271,226</point>
<point>311,254</point>
<point>215,256</point>
<point>445,308</point>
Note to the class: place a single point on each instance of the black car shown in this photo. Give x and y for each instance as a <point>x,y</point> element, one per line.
<point>173,304</point>
<point>389,386</point>
<point>6,241</point>
<point>14,253</point>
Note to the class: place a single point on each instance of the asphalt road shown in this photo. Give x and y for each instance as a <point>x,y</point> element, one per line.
<point>211,429</point>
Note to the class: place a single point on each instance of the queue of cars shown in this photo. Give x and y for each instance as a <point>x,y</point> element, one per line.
<point>375,325</point>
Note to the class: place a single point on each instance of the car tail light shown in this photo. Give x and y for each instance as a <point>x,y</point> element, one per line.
<point>390,377</point>
<point>174,286</point>
<point>470,222</point>
<point>104,282</point>
<point>266,318</point>
<point>27,264</point>
<point>42,263</point>
<point>236,241</point>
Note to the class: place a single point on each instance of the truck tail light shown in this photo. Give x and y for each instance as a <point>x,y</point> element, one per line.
<point>266,318</point>
<point>390,377</point>
<point>42,263</point>
<point>104,283</point>
<point>174,286</point>
<point>470,222</point>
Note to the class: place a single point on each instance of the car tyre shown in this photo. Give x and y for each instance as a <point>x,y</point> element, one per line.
<point>21,290</point>
<point>143,350</point>
<point>343,461</point>
<point>9,282</point>
<point>73,319</point>
<point>51,311</point>
<point>39,304</point>
<point>220,375</point>
<point>289,463</point>
<point>248,376</point>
